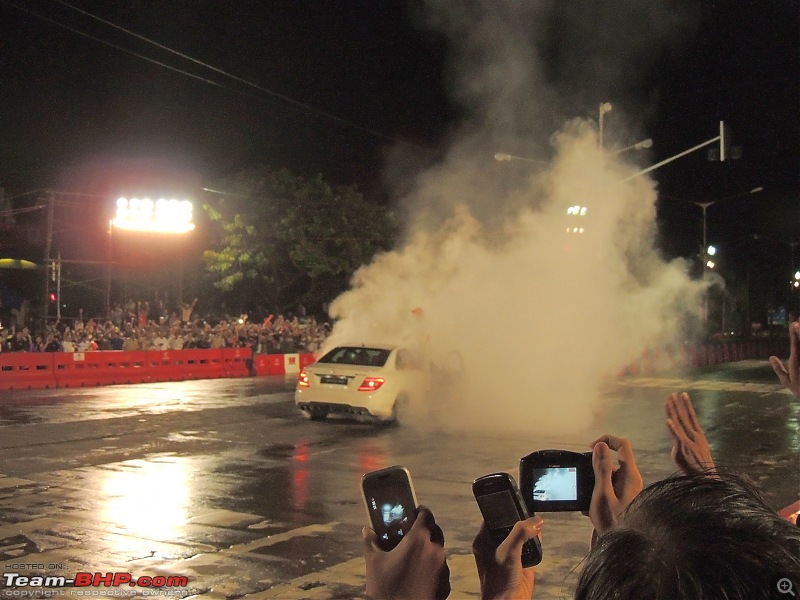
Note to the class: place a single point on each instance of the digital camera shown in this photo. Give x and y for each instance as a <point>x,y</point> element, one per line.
<point>556,480</point>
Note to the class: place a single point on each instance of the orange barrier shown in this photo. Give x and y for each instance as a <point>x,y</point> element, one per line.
<point>281,364</point>
<point>198,364</point>
<point>33,370</point>
<point>268,364</point>
<point>236,362</point>
<point>26,371</point>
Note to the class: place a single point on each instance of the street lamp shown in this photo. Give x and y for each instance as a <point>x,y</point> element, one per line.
<point>648,143</point>
<point>503,157</point>
<point>705,206</point>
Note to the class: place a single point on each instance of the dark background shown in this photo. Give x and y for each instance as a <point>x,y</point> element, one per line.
<point>343,81</point>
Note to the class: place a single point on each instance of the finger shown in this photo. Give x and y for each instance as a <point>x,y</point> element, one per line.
<point>437,535</point>
<point>677,432</point>
<point>670,405</point>
<point>601,464</point>
<point>424,517</point>
<point>780,370</point>
<point>521,533</point>
<point>684,421</point>
<point>482,541</point>
<point>622,446</point>
<point>686,400</point>
<point>370,541</point>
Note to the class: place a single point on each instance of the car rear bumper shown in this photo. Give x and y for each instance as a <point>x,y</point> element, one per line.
<point>378,405</point>
<point>342,409</point>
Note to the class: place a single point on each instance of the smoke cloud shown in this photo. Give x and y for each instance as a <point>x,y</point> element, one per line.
<point>542,276</point>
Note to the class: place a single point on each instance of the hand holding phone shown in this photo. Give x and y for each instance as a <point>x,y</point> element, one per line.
<point>502,506</point>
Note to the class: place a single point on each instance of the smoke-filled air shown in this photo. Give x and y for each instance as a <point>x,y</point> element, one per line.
<point>543,275</point>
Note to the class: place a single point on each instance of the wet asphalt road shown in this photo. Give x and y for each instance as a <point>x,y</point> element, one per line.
<point>224,482</point>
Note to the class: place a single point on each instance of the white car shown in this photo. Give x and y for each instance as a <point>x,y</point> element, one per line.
<point>375,381</point>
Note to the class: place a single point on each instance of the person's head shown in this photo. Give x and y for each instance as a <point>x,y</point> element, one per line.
<point>694,537</point>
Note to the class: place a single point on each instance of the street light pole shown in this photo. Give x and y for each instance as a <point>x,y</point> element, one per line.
<point>604,108</point>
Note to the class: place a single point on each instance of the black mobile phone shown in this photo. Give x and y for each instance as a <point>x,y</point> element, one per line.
<point>391,504</point>
<point>501,505</point>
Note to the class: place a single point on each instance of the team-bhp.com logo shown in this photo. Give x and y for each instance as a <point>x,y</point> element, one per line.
<point>95,580</point>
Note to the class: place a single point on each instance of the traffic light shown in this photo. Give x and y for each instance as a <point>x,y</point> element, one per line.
<point>52,297</point>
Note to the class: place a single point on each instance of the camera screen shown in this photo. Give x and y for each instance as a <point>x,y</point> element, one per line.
<point>555,483</point>
<point>498,509</point>
<point>391,510</point>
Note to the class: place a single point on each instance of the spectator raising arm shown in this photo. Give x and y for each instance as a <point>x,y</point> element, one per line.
<point>790,374</point>
<point>690,451</point>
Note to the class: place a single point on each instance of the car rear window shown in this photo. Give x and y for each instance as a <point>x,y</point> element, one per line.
<point>356,355</point>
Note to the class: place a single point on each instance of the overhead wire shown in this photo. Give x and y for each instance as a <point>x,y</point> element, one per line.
<point>289,100</point>
<point>107,43</point>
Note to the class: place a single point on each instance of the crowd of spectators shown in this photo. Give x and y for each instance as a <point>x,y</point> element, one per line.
<point>139,326</point>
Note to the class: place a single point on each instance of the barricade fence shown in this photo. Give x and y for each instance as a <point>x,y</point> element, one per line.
<point>44,370</point>
<point>682,358</point>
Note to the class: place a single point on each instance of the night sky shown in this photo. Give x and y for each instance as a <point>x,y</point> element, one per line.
<point>345,82</point>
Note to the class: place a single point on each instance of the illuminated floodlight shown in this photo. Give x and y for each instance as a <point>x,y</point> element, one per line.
<point>710,264</point>
<point>162,216</point>
<point>577,210</point>
<point>711,251</point>
<point>797,275</point>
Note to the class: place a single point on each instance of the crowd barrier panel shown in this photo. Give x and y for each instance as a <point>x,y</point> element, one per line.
<point>307,359</point>
<point>133,367</point>
<point>267,364</point>
<point>236,362</point>
<point>201,364</point>
<point>291,364</point>
<point>26,371</point>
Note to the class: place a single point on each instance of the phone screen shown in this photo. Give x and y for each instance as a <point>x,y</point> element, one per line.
<point>555,483</point>
<point>498,509</point>
<point>391,508</point>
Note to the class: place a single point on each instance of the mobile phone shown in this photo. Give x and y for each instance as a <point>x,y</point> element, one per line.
<point>556,480</point>
<point>501,505</point>
<point>391,504</point>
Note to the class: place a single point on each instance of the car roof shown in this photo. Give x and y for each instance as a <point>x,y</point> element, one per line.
<point>374,346</point>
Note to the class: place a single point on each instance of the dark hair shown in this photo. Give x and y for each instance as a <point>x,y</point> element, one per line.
<point>695,537</point>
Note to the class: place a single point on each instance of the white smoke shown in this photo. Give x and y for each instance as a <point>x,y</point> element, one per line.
<point>544,306</point>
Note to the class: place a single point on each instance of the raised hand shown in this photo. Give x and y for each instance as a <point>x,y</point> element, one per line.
<point>789,374</point>
<point>614,488</point>
<point>690,450</point>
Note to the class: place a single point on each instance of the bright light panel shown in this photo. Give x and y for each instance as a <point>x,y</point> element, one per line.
<point>161,216</point>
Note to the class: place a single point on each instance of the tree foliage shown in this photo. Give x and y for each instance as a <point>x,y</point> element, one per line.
<point>283,240</point>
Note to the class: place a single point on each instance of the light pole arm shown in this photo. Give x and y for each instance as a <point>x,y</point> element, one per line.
<point>671,158</point>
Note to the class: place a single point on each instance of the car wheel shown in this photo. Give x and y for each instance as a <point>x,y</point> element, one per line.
<point>399,410</point>
<point>317,414</point>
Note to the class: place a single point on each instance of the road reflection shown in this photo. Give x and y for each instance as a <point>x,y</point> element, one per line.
<point>149,499</point>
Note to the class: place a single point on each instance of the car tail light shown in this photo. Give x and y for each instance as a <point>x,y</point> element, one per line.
<point>302,380</point>
<point>370,384</point>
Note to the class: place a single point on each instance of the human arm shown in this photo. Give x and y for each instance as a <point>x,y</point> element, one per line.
<point>614,488</point>
<point>690,450</point>
<point>500,568</point>
<point>415,568</point>
<point>789,374</point>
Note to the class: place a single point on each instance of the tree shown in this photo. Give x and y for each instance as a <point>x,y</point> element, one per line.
<point>284,240</point>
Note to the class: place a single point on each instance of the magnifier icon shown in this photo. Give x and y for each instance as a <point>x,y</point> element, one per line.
<point>785,586</point>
